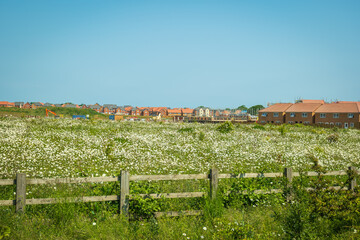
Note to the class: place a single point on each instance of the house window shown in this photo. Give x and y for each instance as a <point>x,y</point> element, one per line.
<point>338,124</point>
<point>276,114</point>
<point>336,115</point>
<point>290,122</point>
<point>306,122</point>
<point>350,115</point>
<point>277,122</point>
<point>201,112</point>
<point>264,114</point>
<point>352,125</point>
<point>292,114</point>
<point>304,115</point>
<point>262,121</point>
<point>322,115</point>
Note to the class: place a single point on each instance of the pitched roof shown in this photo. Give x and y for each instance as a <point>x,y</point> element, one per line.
<point>7,103</point>
<point>278,107</point>
<point>174,110</point>
<point>39,104</point>
<point>187,110</point>
<point>339,107</point>
<point>303,107</point>
<point>312,101</point>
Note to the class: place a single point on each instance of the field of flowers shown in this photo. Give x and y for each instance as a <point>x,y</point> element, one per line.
<point>64,147</point>
<point>77,148</point>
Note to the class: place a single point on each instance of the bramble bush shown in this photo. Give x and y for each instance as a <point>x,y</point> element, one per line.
<point>225,127</point>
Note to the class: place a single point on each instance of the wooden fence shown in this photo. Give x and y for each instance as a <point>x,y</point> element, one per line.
<point>124,196</point>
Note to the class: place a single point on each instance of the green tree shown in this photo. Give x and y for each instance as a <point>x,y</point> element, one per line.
<point>253,110</point>
<point>242,108</point>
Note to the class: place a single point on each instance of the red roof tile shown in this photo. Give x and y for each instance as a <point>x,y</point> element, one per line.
<point>303,107</point>
<point>339,107</point>
<point>312,101</point>
<point>187,110</point>
<point>7,103</point>
<point>174,111</point>
<point>278,107</point>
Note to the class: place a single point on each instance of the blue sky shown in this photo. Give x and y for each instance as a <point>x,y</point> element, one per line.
<point>179,53</point>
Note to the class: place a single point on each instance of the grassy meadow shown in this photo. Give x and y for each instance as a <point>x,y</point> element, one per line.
<point>44,148</point>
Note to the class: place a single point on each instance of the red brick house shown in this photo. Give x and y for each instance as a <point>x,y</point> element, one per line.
<point>106,110</point>
<point>27,105</point>
<point>36,105</point>
<point>174,112</point>
<point>339,114</point>
<point>155,111</point>
<point>217,113</point>
<point>145,112</point>
<point>274,113</point>
<point>187,112</point>
<point>301,113</point>
<point>6,104</point>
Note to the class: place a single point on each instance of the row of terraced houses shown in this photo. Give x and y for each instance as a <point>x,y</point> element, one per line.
<point>133,111</point>
<point>342,114</point>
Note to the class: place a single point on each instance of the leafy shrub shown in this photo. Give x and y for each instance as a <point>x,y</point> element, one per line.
<point>187,129</point>
<point>333,138</point>
<point>260,127</point>
<point>225,127</point>
<point>320,211</point>
<point>282,129</point>
<point>201,136</point>
<point>142,208</point>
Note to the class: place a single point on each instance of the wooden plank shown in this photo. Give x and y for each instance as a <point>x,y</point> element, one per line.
<point>214,180</point>
<point>72,180</point>
<point>168,177</point>
<point>314,174</point>
<point>72,199</point>
<point>351,177</point>
<point>288,174</point>
<point>241,175</point>
<point>329,188</point>
<point>4,182</point>
<point>169,195</point>
<point>20,192</point>
<point>179,213</point>
<point>259,191</point>
<point>7,202</point>
<point>124,192</point>
<point>250,175</point>
<point>340,173</point>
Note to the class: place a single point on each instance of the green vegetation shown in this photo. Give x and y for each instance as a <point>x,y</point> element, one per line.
<point>66,112</point>
<point>242,108</point>
<point>44,148</point>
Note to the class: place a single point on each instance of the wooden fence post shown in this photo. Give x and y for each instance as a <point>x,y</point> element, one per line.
<point>214,179</point>
<point>124,188</point>
<point>352,183</point>
<point>20,192</point>
<point>289,175</point>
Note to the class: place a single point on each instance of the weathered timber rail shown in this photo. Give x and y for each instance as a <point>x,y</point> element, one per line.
<point>124,196</point>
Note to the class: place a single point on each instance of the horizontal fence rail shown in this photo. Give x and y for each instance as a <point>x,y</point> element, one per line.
<point>124,196</point>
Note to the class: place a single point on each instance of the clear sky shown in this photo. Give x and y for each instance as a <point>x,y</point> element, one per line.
<point>179,53</point>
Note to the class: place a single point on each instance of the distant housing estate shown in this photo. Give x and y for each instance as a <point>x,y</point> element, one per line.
<point>178,113</point>
<point>341,114</point>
